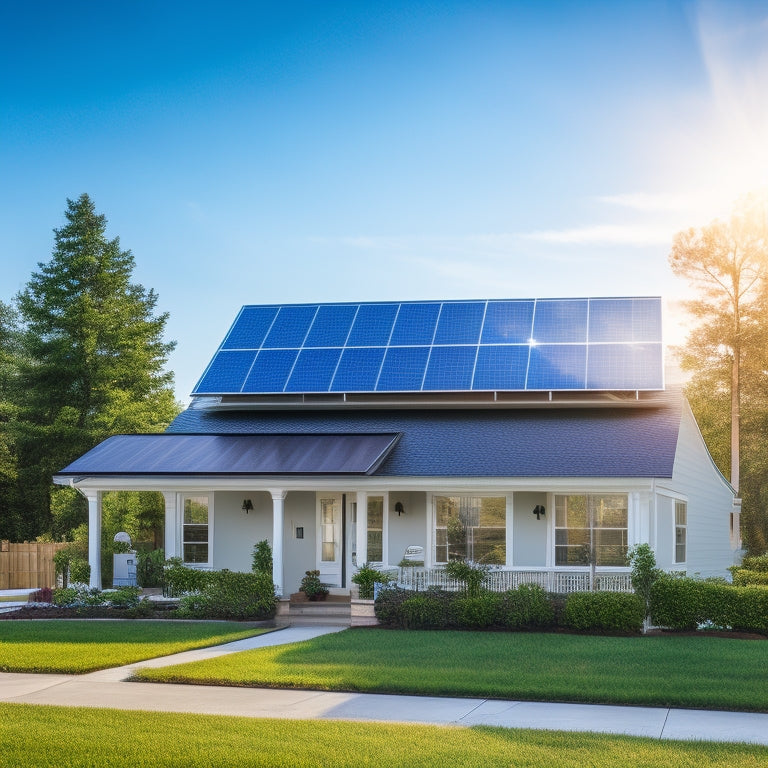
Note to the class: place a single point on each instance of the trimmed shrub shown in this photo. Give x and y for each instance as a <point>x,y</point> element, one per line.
<point>527,607</point>
<point>605,611</point>
<point>180,580</point>
<point>423,611</point>
<point>756,563</point>
<point>387,605</point>
<point>232,595</point>
<point>123,597</point>
<point>677,603</point>
<point>743,577</point>
<point>262,558</point>
<point>475,612</point>
<point>312,587</point>
<point>750,609</point>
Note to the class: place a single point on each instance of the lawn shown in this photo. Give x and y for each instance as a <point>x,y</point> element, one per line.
<point>63,737</point>
<point>698,672</point>
<point>74,647</point>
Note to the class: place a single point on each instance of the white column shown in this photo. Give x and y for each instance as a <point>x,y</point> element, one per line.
<point>361,545</point>
<point>94,537</point>
<point>171,527</point>
<point>278,523</point>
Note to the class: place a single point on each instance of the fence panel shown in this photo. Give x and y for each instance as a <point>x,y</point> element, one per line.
<point>28,565</point>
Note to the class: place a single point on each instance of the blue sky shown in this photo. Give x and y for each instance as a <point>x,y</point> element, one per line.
<point>333,151</point>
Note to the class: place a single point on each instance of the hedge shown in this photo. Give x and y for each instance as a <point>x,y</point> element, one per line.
<point>232,595</point>
<point>615,612</point>
<point>743,577</point>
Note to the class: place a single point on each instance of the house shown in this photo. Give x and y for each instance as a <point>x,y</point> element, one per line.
<point>536,436</point>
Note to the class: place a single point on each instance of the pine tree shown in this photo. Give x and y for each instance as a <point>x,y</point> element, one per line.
<point>94,355</point>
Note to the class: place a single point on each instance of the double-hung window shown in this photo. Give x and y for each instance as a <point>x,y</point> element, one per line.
<point>681,530</point>
<point>195,530</point>
<point>591,528</point>
<point>470,528</point>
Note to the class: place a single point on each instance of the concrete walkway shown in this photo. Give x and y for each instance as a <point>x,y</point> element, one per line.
<point>107,688</point>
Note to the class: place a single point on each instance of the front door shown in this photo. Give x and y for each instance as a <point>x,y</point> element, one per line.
<point>330,553</point>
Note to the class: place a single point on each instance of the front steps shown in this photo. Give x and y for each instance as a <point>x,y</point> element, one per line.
<point>334,611</point>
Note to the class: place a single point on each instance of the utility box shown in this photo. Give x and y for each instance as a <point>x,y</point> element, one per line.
<point>124,570</point>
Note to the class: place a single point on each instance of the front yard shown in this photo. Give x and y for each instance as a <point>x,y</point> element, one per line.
<point>677,671</point>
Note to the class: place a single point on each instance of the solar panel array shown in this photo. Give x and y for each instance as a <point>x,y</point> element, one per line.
<point>450,346</point>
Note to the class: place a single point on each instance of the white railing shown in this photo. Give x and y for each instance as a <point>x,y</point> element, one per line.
<point>500,579</point>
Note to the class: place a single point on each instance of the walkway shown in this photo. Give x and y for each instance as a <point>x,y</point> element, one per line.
<point>107,688</point>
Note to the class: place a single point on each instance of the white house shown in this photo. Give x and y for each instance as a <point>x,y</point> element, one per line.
<point>533,435</point>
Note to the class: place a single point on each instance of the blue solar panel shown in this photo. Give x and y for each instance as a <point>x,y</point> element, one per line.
<point>290,326</point>
<point>358,369</point>
<point>450,368</point>
<point>403,369</point>
<point>460,323</point>
<point>508,322</point>
<point>250,328</point>
<point>270,370</point>
<point>459,346</point>
<point>313,370</point>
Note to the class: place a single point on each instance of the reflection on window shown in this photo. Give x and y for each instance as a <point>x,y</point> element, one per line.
<point>470,528</point>
<point>375,529</point>
<point>591,528</point>
<point>681,530</point>
<point>327,530</point>
<point>195,532</point>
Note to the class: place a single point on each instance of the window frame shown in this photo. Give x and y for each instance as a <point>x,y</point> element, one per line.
<point>209,525</point>
<point>474,496</point>
<point>680,532</point>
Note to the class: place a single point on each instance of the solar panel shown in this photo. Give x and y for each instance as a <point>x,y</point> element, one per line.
<point>452,346</point>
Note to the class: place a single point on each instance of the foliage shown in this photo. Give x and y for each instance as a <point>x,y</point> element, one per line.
<point>676,603</point>
<point>232,595</point>
<point>150,567</point>
<point>605,612</point>
<point>82,645</point>
<point>71,563</point>
<point>366,577</point>
<point>743,577</point>
<point>262,558</point>
<point>42,595</point>
<point>82,596</point>
<point>479,611</point>
<point>527,607</point>
<point>472,575</point>
<point>312,587</point>
<point>180,580</point>
<point>756,563</point>
<point>641,670</point>
<point>644,572</point>
<point>89,364</point>
<point>727,262</point>
<point>34,735</point>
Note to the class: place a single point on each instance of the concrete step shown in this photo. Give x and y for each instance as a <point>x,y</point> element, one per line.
<point>337,614</point>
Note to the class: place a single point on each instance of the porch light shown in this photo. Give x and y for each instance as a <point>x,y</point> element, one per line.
<point>247,505</point>
<point>399,508</point>
<point>539,510</point>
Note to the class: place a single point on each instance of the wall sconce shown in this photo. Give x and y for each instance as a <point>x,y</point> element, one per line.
<point>399,508</point>
<point>247,506</point>
<point>539,510</point>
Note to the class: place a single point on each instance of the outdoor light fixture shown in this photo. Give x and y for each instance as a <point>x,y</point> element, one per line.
<point>399,508</point>
<point>539,510</point>
<point>247,505</point>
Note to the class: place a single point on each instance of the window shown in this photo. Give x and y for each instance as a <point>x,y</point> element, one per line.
<point>328,530</point>
<point>375,548</point>
<point>591,528</point>
<point>195,530</point>
<point>681,527</point>
<point>472,528</point>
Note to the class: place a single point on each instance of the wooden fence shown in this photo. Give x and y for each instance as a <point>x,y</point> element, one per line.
<point>28,565</point>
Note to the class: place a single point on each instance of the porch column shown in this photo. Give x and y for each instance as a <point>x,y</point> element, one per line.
<point>361,542</point>
<point>171,534</point>
<point>94,537</point>
<point>278,518</point>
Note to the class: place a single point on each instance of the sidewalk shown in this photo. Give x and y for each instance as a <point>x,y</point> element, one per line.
<point>107,688</point>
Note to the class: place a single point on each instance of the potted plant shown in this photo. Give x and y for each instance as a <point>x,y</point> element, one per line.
<point>312,587</point>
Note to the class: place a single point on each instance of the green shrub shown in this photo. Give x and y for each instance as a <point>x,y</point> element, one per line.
<point>750,609</point>
<point>123,597</point>
<point>423,611</point>
<point>743,577</point>
<point>527,607</point>
<point>232,595</point>
<point>472,576</point>
<point>475,612</point>
<point>644,572</point>
<point>604,611</point>
<point>262,558</point>
<point>312,587</point>
<point>366,577</point>
<point>149,567</point>
<point>387,605</point>
<point>180,580</point>
<point>756,563</point>
<point>71,564</point>
<point>677,603</point>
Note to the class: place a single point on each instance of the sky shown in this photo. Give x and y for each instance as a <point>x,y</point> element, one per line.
<point>281,152</point>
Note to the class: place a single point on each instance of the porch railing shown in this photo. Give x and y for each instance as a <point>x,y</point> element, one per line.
<point>553,580</point>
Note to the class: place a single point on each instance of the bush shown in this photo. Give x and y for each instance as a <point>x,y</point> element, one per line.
<point>471,575</point>
<point>605,611</point>
<point>366,577</point>
<point>743,577</point>
<point>149,567</point>
<point>475,612</point>
<point>232,595</point>
<point>180,580</point>
<point>750,609</point>
<point>756,563</point>
<point>71,564</point>
<point>527,607</point>
<point>676,603</point>
<point>423,611</point>
<point>387,605</point>
<point>262,558</point>
<point>312,587</point>
<point>123,597</point>
<point>644,572</point>
<point>42,595</point>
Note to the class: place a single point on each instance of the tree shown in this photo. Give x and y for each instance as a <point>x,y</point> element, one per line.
<point>93,356</point>
<point>727,351</point>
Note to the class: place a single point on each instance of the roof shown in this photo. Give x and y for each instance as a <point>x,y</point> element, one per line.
<point>536,442</point>
<point>235,454</point>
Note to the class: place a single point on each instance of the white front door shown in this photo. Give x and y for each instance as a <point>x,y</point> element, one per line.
<point>329,549</point>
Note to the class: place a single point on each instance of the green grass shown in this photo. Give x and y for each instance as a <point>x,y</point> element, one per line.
<point>697,672</point>
<point>74,647</point>
<point>63,737</point>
